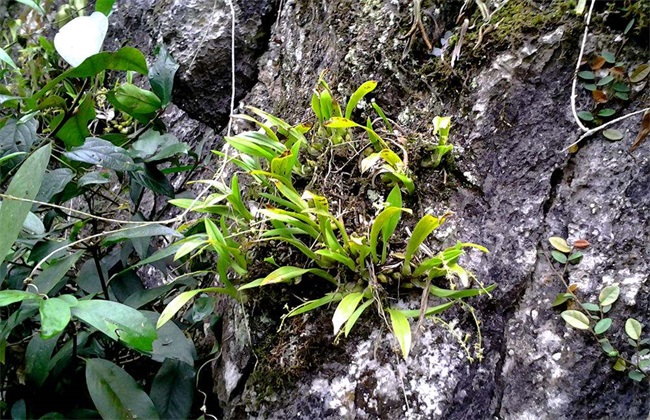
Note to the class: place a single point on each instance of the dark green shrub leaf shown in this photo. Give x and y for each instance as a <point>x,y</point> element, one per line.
<point>156,181</point>
<point>612,134</point>
<point>575,257</point>
<point>55,315</point>
<point>559,257</point>
<point>172,391</point>
<point>25,184</point>
<point>136,100</point>
<point>115,393</point>
<point>605,80</point>
<point>603,325</point>
<point>75,130</point>
<point>53,274</point>
<point>590,87</point>
<point>608,56</point>
<point>585,115</point>
<point>621,87</point>
<point>118,321</point>
<point>622,95</point>
<point>37,359</point>
<point>102,153</point>
<point>161,75</point>
<point>94,178</point>
<point>53,183</point>
<point>16,137</point>
<point>576,319</point>
<point>203,307</point>
<point>633,328</point>
<point>171,342</point>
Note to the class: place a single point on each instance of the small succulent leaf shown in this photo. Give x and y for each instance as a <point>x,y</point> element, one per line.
<point>609,295</point>
<point>603,325</point>
<point>576,319</point>
<point>633,328</point>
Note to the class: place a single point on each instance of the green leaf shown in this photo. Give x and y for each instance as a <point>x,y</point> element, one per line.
<point>612,134</point>
<point>75,130</point>
<point>102,153</point>
<point>152,178</point>
<point>591,307</point>
<point>25,184</point>
<point>33,4</point>
<point>145,231</point>
<point>313,304</point>
<point>585,115</point>
<point>633,328</point>
<point>16,137</point>
<point>459,294</point>
<point>590,87</point>
<point>606,112</point>
<point>345,309</point>
<point>286,273</point>
<point>340,122</point>
<point>603,325</point>
<point>94,178</point>
<point>54,182</point>
<point>576,319</point>
<point>580,7</point>
<point>5,58</point>
<point>608,56</point>
<point>621,87</point>
<point>7,297</point>
<point>620,365</point>
<point>37,359</point>
<point>362,91</point>
<point>422,230</point>
<point>179,301</point>
<point>640,73</point>
<point>53,274</point>
<point>587,75</point>
<point>172,390</point>
<point>560,244</point>
<point>607,347</point>
<point>355,316</point>
<point>336,256</point>
<point>622,95</point>
<point>135,100</point>
<point>609,295</point>
<point>161,75</point>
<point>55,316</point>
<point>115,393</point>
<point>386,216</point>
<point>561,298</point>
<point>171,342</point>
<point>401,330</point>
<point>104,6</point>
<point>605,80</point>
<point>636,375</point>
<point>559,257</point>
<point>117,321</point>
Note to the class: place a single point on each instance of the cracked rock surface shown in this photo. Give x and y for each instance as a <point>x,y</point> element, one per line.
<point>515,188</point>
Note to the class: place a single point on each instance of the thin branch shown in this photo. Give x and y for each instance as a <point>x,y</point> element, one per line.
<point>600,127</point>
<point>574,95</point>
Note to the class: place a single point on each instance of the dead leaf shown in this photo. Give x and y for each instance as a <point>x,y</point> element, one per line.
<point>617,72</point>
<point>581,244</point>
<point>573,287</point>
<point>598,63</point>
<point>643,132</point>
<point>599,96</point>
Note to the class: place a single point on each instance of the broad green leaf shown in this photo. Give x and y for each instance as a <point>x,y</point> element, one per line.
<point>140,232</point>
<point>115,393</point>
<point>560,244</point>
<point>401,330</point>
<point>355,316</point>
<point>603,325</point>
<point>37,359</point>
<point>171,342</point>
<point>75,130</point>
<point>152,178</point>
<point>146,296</point>
<point>117,321</point>
<point>104,6</point>
<point>25,184</point>
<point>633,328</point>
<point>135,100</point>
<point>172,390</point>
<point>102,153</point>
<point>609,295</point>
<point>362,91</point>
<point>179,301</point>
<point>576,319</point>
<point>422,230</point>
<point>613,134</point>
<point>54,182</point>
<point>94,178</point>
<point>161,75</point>
<point>55,316</point>
<point>17,137</point>
<point>345,309</point>
<point>32,224</point>
<point>54,273</point>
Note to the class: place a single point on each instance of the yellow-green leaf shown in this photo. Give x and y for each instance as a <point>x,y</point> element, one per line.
<point>560,244</point>
<point>362,91</point>
<point>401,330</point>
<point>345,309</point>
<point>576,319</point>
<point>633,328</point>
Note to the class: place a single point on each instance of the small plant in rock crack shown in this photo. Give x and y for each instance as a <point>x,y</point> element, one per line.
<point>594,317</point>
<point>360,260</point>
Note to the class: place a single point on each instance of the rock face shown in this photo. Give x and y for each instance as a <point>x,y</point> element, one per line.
<point>513,187</point>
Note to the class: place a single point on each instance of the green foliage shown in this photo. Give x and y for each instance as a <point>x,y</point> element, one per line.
<point>594,318</point>
<point>74,313</point>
